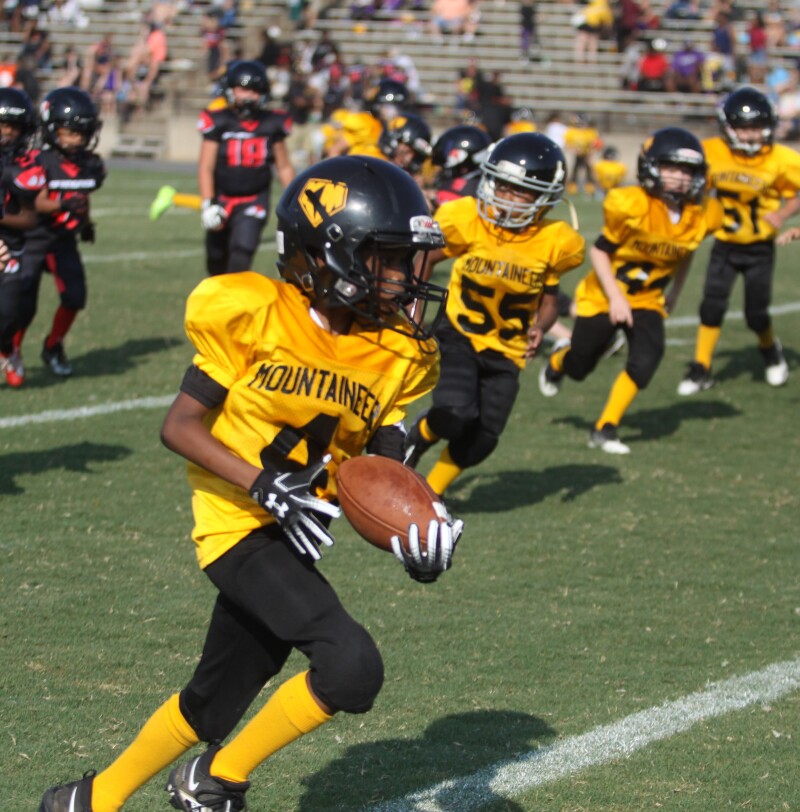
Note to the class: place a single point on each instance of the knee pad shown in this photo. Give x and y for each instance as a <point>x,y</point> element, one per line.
<point>712,311</point>
<point>757,320</point>
<point>446,424</point>
<point>577,366</point>
<point>209,725</point>
<point>467,452</point>
<point>74,298</point>
<point>348,674</point>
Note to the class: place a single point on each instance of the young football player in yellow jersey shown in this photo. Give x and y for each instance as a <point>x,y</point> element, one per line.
<point>609,172</point>
<point>650,234</point>
<point>502,299</point>
<point>757,183</point>
<point>289,379</point>
<point>581,140</point>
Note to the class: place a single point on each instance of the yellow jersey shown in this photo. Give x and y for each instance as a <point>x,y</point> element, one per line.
<point>295,392</point>
<point>609,174</point>
<point>750,187</point>
<point>581,140</point>
<point>499,276</point>
<point>650,248</point>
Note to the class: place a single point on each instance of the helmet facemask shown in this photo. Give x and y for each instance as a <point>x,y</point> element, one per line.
<point>748,109</point>
<point>516,215</point>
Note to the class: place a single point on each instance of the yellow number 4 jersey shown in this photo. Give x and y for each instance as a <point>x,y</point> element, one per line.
<point>499,275</point>
<point>295,391</point>
<point>650,248</point>
<point>750,187</point>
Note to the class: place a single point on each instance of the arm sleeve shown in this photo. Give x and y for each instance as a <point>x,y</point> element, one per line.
<point>204,389</point>
<point>387,442</point>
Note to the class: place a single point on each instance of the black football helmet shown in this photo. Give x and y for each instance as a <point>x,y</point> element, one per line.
<point>340,215</point>
<point>748,108</point>
<point>458,150</point>
<point>412,131</point>
<point>16,109</point>
<point>388,99</point>
<point>530,161</point>
<point>610,154</point>
<point>69,108</point>
<point>252,75</point>
<point>673,145</point>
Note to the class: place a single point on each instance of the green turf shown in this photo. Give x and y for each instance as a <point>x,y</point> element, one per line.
<point>587,587</point>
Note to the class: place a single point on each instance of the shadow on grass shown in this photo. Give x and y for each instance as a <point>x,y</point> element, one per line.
<point>732,364</point>
<point>663,422</point>
<point>75,458</point>
<point>507,490</point>
<point>467,748</point>
<point>103,361</point>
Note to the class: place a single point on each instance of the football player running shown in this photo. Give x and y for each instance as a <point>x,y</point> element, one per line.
<point>21,182</point>
<point>509,257</point>
<point>757,182</point>
<point>70,128</point>
<point>289,379</point>
<point>649,236</point>
<point>241,144</point>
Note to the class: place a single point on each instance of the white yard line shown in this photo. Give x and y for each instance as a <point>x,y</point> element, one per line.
<point>602,745</point>
<point>58,415</point>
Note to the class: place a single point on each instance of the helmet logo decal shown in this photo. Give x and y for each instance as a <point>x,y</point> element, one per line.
<point>321,198</point>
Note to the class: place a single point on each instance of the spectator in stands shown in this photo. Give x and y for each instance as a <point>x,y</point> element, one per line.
<point>629,68</point>
<point>775,25</point>
<point>687,69</point>
<point>590,22</point>
<point>684,10</point>
<point>71,69</point>
<point>36,44</point>
<point>66,12</point>
<point>215,45</point>
<point>467,88</point>
<point>271,47</point>
<point>453,17</point>
<point>723,42</point>
<point>528,35</point>
<point>143,66</point>
<point>25,78</point>
<point>654,67</point>
<point>626,23</point>
<point>757,42</point>
<point>99,59</point>
<point>494,106</point>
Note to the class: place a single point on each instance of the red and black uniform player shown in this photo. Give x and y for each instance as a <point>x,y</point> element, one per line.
<point>456,155</point>
<point>21,179</point>
<point>241,144</point>
<point>69,125</point>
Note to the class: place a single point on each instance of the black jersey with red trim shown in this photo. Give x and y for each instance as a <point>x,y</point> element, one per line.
<point>245,158</point>
<point>22,179</point>
<point>68,177</point>
<point>454,188</point>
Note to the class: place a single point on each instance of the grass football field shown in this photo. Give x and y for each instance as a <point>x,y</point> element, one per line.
<point>616,633</point>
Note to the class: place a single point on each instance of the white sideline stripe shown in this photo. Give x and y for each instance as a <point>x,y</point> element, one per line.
<point>56,415</point>
<point>603,744</point>
<point>138,256</point>
<point>693,321</point>
<point>157,402</point>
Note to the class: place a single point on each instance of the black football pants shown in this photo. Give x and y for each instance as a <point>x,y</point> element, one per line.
<point>473,398</point>
<point>232,248</point>
<point>272,600</point>
<point>591,336</point>
<point>756,263</point>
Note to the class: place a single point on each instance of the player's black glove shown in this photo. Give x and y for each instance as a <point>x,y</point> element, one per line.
<point>77,205</point>
<point>88,233</point>
<point>426,567</point>
<point>289,499</point>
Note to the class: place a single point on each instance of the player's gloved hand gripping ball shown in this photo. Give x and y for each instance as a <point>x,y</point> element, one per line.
<point>392,506</point>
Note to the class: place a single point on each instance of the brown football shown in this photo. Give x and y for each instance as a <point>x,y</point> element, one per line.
<point>381,497</point>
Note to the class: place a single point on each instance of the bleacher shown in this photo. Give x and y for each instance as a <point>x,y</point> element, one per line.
<point>555,83</point>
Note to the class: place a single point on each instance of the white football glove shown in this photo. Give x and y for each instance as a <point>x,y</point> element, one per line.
<point>443,535</point>
<point>212,216</point>
<point>289,499</point>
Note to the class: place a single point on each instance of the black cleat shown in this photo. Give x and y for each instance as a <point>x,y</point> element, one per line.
<point>56,359</point>
<point>697,379</point>
<point>193,789</point>
<point>74,797</point>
